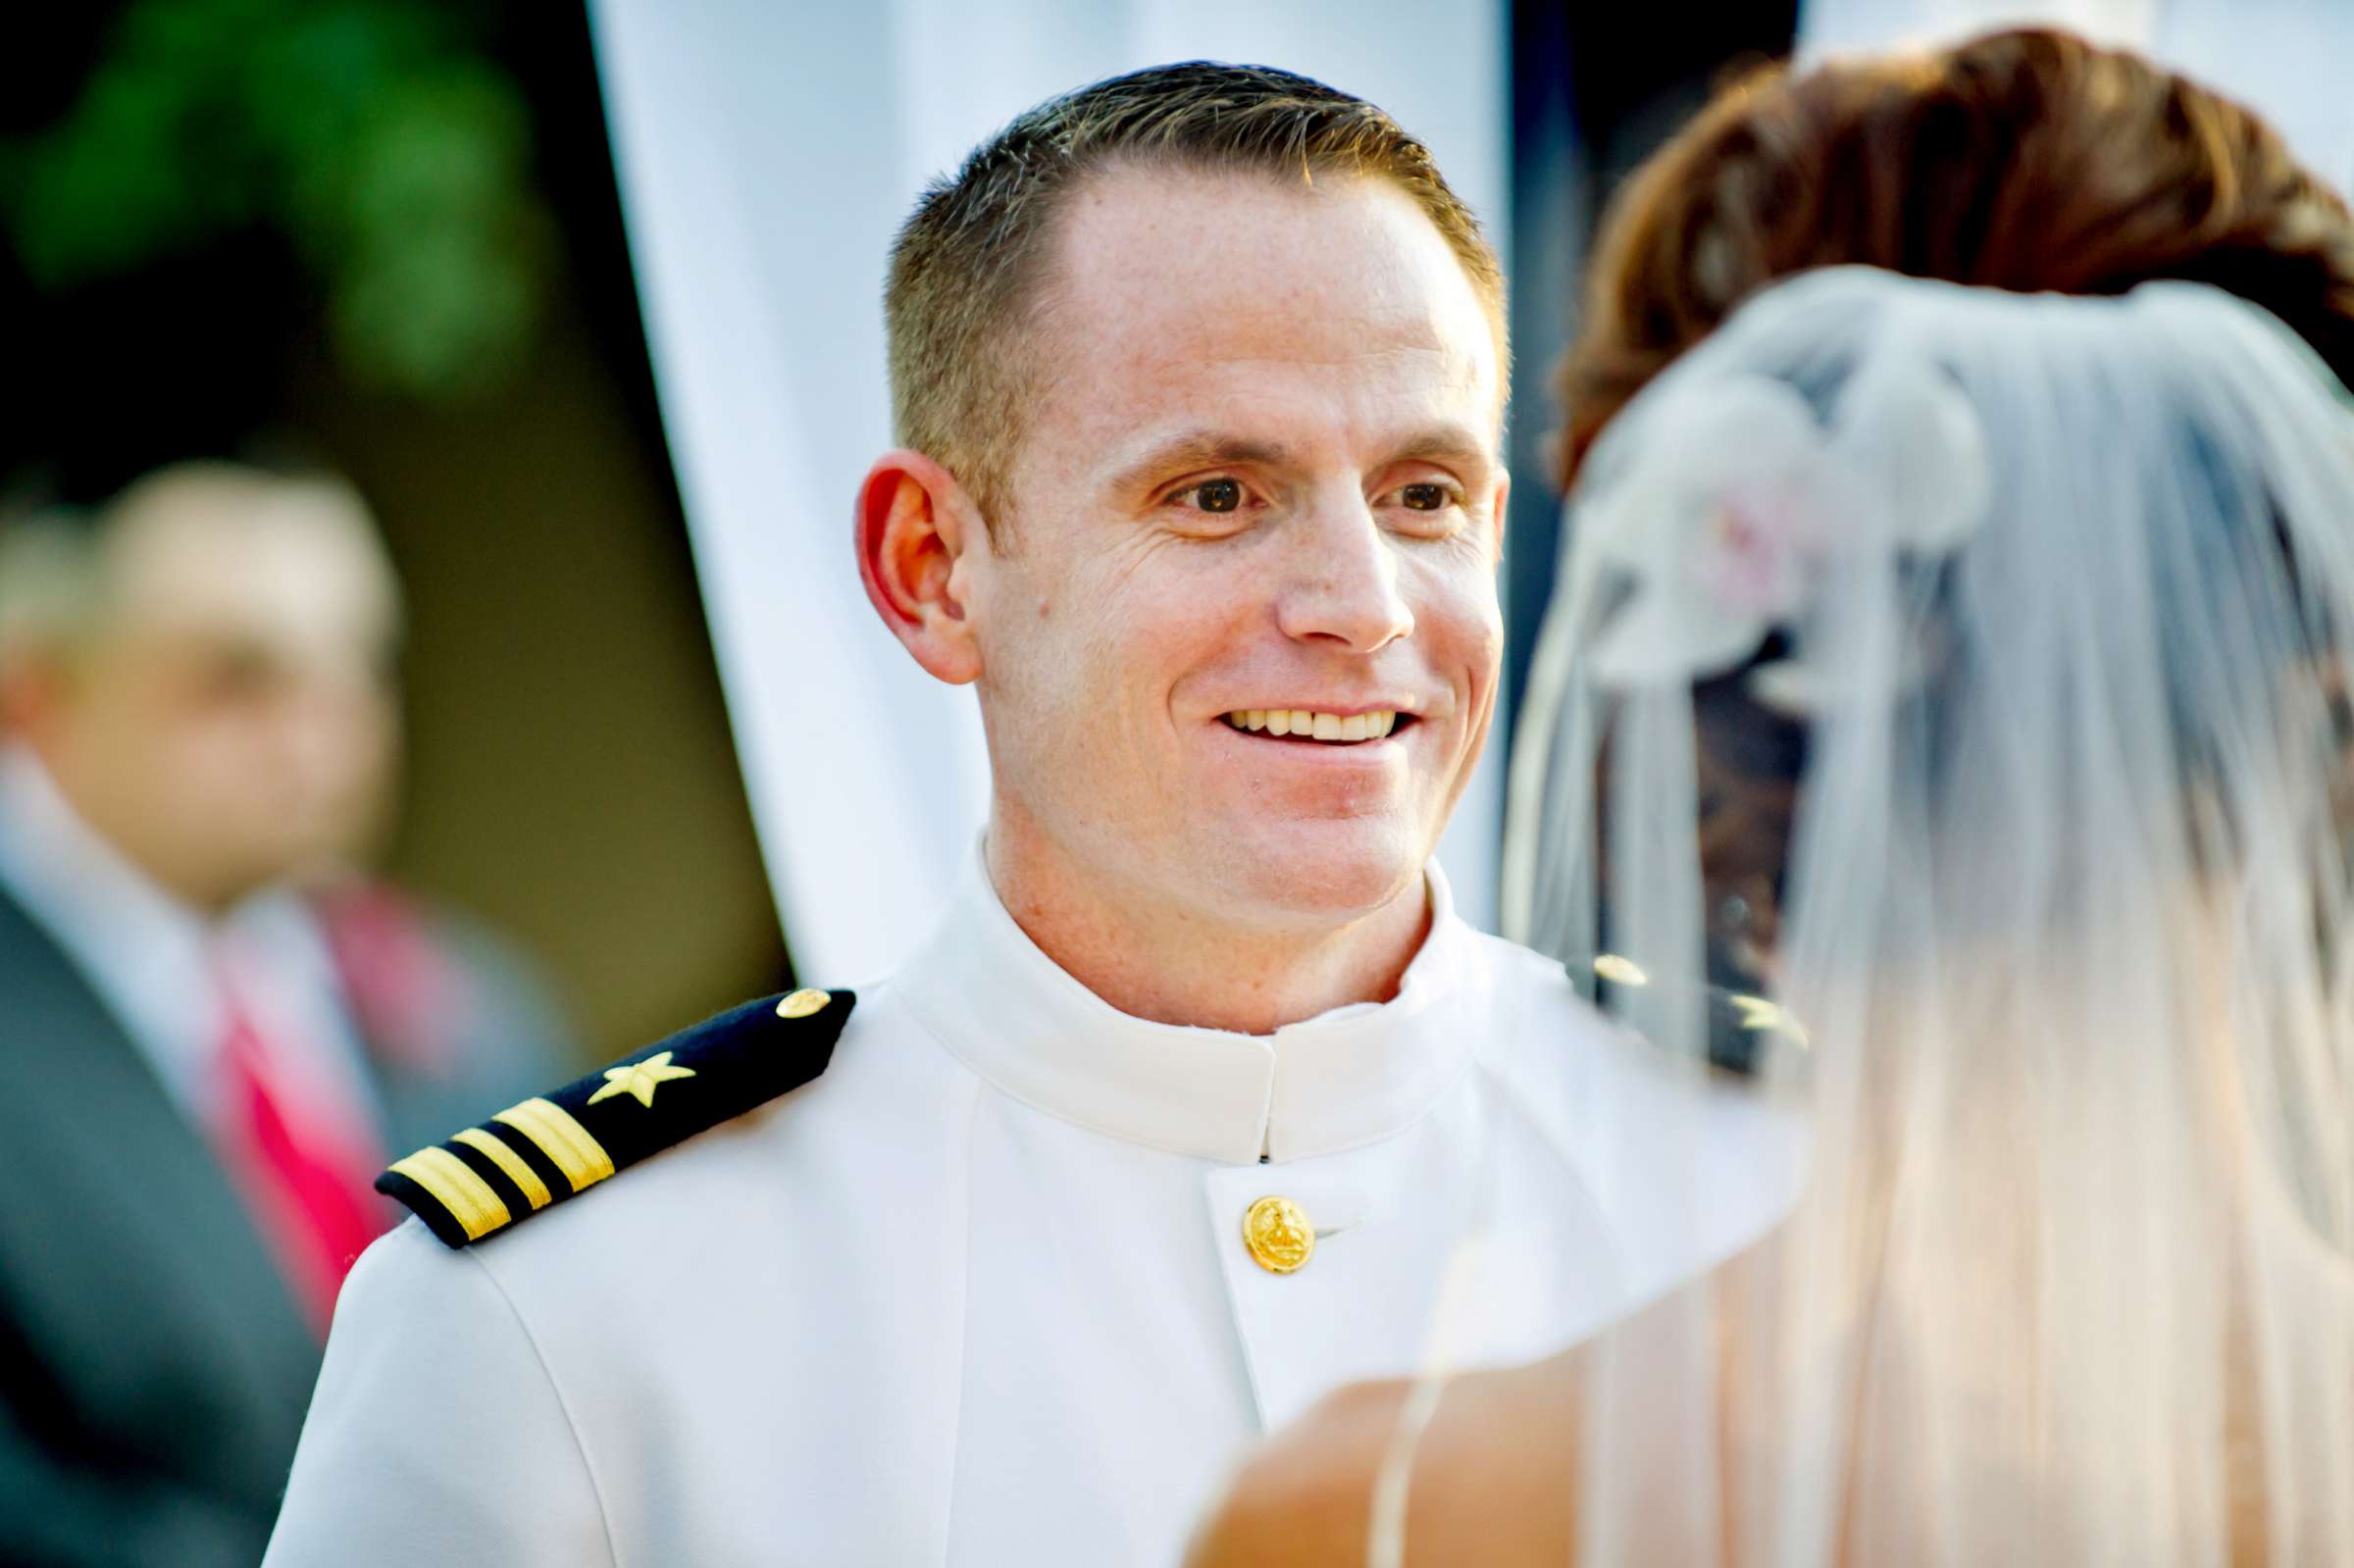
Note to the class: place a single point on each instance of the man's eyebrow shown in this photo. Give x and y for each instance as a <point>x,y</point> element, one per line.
<point>1195,449</point>
<point>1453,445</point>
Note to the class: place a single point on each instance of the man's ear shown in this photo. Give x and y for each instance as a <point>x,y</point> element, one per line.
<point>914,525</point>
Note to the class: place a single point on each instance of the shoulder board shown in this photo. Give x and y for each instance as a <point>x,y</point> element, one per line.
<point>547,1148</point>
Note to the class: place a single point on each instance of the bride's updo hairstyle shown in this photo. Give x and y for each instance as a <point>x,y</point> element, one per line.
<point>2029,161</point>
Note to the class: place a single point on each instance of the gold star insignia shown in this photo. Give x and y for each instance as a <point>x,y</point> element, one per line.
<point>1764,1017</point>
<point>640,1079</point>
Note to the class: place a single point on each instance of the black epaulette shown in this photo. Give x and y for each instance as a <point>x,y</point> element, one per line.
<point>545,1149</point>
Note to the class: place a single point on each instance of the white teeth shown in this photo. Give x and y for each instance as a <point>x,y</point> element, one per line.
<point>1373,726</point>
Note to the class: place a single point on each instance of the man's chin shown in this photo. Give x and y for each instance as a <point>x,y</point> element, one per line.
<point>1336,875</point>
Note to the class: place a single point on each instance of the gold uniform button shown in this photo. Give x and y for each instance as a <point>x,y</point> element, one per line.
<point>801,1004</point>
<point>1619,971</point>
<point>1277,1235</point>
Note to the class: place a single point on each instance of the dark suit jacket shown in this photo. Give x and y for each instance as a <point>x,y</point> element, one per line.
<point>154,1367</point>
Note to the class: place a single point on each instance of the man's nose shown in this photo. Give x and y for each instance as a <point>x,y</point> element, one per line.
<point>1342,584</point>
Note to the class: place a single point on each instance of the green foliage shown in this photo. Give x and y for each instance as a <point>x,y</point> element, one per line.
<point>390,154</point>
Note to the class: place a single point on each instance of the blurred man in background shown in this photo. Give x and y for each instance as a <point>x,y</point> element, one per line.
<point>214,1025</point>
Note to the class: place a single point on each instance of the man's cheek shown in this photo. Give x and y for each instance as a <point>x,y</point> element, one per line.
<point>1478,615</point>
<point>1459,622</point>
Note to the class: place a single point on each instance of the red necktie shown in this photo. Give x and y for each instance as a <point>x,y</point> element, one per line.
<point>305,1178</point>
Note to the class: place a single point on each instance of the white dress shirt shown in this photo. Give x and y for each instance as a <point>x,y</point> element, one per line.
<point>979,1294</point>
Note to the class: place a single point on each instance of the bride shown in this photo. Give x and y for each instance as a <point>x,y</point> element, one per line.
<point>2000,644</point>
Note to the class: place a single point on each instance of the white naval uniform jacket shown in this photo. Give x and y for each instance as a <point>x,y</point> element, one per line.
<point>979,1294</point>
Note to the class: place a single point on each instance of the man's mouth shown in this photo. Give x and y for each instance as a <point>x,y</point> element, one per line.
<point>1303,723</point>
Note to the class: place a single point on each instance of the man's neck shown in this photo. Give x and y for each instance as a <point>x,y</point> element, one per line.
<point>1173,966</point>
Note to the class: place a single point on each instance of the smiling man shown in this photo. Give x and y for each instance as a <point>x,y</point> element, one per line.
<point>1196,1096</point>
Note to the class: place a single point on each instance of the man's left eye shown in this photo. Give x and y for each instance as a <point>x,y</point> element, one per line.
<point>1218,496</point>
<point>1424,497</point>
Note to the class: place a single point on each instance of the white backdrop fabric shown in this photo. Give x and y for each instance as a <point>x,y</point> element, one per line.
<point>2288,59</point>
<point>767,153</point>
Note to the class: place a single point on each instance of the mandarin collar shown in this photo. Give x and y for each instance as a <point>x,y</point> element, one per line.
<point>1337,1081</point>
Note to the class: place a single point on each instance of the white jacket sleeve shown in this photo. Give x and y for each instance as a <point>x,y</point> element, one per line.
<point>437,1435</point>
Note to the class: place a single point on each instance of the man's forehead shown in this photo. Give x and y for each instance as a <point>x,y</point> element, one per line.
<point>1193,288</point>
<point>291,579</point>
<point>1252,238</point>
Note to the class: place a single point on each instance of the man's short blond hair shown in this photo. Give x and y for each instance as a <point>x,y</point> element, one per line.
<point>966,270</point>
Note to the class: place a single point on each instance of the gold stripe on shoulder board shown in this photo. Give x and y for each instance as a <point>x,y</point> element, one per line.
<point>569,1146</point>
<point>512,1164</point>
<point>455,1185</point>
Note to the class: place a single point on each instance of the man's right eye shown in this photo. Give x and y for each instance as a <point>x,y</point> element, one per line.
<point>1216,495</point>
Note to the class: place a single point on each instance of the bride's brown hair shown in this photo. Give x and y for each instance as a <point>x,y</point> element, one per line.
<point>2025,160</point>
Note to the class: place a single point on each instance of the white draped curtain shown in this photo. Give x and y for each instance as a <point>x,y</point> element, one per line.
<point>767,152</point>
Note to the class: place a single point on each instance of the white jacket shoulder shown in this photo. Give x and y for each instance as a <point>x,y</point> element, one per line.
<point>437,1433</point>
